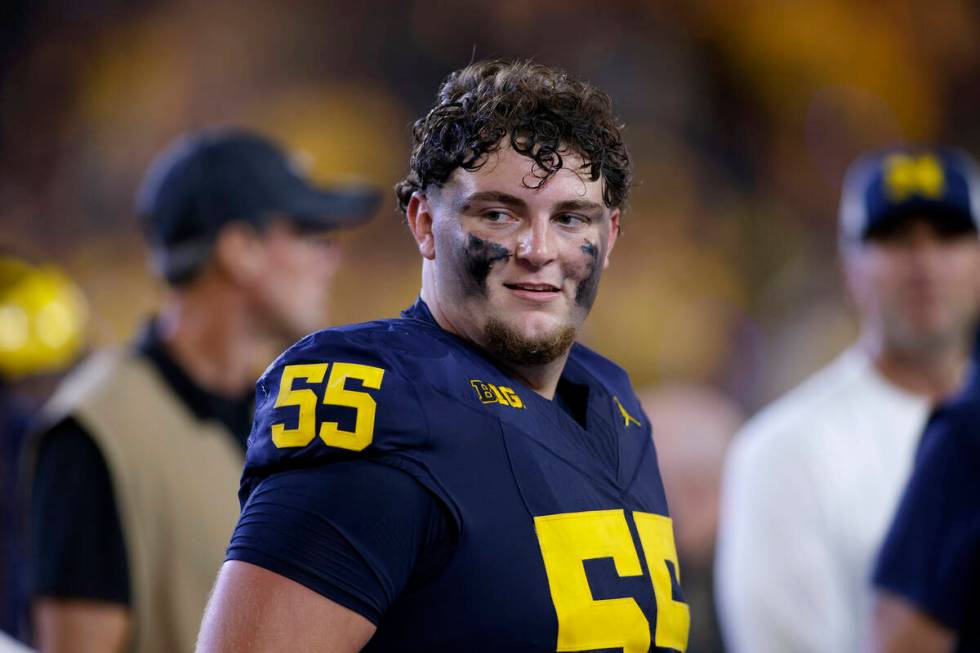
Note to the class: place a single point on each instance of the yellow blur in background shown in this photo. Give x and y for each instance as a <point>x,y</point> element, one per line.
<point>43,316</point>
<point>741,117</point>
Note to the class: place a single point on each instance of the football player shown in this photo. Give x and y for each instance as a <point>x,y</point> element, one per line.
<point>467,477</point>
<point>928,571</point>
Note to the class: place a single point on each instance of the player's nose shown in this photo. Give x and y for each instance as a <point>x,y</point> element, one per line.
<point>535,245</point>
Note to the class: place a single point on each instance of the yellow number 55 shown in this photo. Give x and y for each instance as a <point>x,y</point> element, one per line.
<point>335,394</point>
<point>585,623</point>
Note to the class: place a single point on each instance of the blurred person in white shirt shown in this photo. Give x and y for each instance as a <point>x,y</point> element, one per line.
<point>811,483</point>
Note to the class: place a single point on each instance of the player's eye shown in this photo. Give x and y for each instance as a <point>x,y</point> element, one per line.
<point>496,216</point>
<point>571,220</point>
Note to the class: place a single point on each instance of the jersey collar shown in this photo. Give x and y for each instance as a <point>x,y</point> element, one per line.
<point>420,311</point>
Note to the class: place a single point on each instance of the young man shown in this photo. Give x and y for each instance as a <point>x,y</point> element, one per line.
<point>928,572</point>
<point>466,478</point>
<point>130,509</point>
<point>812,482</point>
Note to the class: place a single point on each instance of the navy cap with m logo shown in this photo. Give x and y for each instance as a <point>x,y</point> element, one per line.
<point>885,187</point>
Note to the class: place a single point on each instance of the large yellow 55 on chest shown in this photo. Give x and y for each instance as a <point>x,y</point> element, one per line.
<point>584,624</point>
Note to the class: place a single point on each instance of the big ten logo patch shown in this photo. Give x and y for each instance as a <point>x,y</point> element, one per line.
<point>489,393</point>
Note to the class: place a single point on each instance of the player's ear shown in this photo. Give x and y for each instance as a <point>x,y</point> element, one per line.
<point>238,253</point>
<point>419,216</point>
<point>613,235</point>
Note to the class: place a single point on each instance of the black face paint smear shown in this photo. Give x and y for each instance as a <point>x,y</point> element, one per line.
<point>588,287</point>
<point>478,258</point>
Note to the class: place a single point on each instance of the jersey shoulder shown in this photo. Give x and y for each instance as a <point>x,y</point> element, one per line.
<point>344,392</point>
<point>612,380</point>
<point>965,404</point>
<point>958,420</point>
<point>605,371</point>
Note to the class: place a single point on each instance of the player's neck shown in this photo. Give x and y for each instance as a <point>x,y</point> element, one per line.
<point>543,379</point>
<point>935,374</point>
<point>213,347</point>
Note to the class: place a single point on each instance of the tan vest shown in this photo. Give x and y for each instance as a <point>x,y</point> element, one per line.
<point>175,480</point>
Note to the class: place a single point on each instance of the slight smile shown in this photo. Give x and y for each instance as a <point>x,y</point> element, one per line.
<point>536,292</point>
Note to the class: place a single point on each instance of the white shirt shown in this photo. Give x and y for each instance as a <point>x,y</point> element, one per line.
<point>10,645</point>
<point>810,486</point>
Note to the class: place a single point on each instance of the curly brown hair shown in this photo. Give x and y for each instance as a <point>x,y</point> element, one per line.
<point>542,110</point>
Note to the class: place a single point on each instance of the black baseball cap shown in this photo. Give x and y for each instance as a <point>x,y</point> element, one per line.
<point>886,187</point>
<point>210,178</point>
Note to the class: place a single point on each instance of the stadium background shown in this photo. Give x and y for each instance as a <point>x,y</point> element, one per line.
<point>741,116</point>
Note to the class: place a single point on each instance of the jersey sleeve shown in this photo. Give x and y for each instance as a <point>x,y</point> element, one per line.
<point>931,556</point>
<point>355,532</point>
<point>338,395</point>
<point>336,493</point>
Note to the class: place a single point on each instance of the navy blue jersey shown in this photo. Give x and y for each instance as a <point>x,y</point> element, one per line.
<point>549,532</point>
<point>931,556</point>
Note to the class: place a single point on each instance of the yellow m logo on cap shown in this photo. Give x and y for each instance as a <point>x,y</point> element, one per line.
<point>909,175</point>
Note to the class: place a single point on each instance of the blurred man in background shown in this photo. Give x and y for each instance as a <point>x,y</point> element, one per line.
<point>134,476</point>
<point>692,426</point>
<point>812,482</point>
<point>928,572</point>
<point>43,318</point>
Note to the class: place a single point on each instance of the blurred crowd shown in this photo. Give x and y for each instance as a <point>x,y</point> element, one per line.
<point>741,116</point>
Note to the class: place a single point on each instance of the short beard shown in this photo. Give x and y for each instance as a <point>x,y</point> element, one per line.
<point>511,347</point>
<point>930,345</point>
